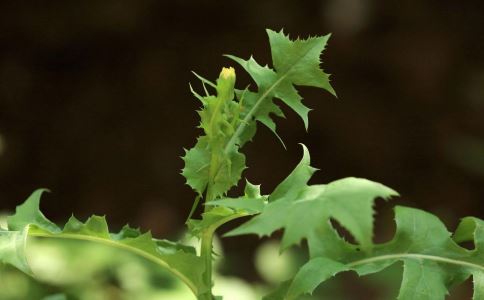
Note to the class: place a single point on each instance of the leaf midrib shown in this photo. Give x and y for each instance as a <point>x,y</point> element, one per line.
<point>416,256</point>
<point>251,112</point>
<point>118,245</point>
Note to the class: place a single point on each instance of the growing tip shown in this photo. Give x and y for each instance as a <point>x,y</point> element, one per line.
<point>227,73</point>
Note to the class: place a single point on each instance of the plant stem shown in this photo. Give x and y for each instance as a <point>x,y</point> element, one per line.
<point>207,235</point>
<point>206,254</point>
<point>206,251</point>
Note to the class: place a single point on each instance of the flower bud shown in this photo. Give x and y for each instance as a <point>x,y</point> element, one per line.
<point>228,73</point>
<point>226,83</point>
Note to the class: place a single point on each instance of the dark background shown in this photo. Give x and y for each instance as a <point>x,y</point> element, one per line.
<point>95,105</point>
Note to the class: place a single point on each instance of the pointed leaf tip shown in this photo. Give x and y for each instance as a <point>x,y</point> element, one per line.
<point>29,213</point>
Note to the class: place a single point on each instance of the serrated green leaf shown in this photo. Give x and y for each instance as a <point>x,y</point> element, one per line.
<point>299,59</point>
<point>262,114</point>
<point>250,205</point>
<point>215,165</point>
<point>252,190</point>
<point>126,232</point>
<point>312,274</point>
<point>13,241</point>
<point>170,247</point>
<point>470,229</point>
<point>422,280</point>
<point>252,202</point>
<point>349,201</point>
<point>433,262</point>
<point>28,220</point>
<point>296,181</point>
<point>198,161</point>
<point>197,164</point>
<point>209,218</point>
<point>229,172</point>
<point>207,165</point>
<point>197,169</point>
<point>29,213</point>
<point>295,63</point>
<point>227,209</point>
<point>95,226</point>
<point>213,219</point>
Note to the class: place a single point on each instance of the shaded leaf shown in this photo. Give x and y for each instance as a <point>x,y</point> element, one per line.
<point>12,249</point>
<point>433,262</point>
<point>179,260</point>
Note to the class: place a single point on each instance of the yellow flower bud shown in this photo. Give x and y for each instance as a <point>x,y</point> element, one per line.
<point>227,73</point>
<point>225,83</point>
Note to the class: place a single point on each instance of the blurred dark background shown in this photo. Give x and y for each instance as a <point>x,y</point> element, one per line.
<point>95,105</point>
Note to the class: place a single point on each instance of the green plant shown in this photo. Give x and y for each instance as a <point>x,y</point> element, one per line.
<point>433,261</point>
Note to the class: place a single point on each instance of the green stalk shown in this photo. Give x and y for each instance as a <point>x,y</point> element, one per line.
<point>207,235</point>
<point>206,254</point>
<point>225,92</point>
<point>214,166</point>
<point>206,251</point>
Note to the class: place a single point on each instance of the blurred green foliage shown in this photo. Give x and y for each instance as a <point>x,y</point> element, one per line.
<point>80,270</point>
<point>87,271</point>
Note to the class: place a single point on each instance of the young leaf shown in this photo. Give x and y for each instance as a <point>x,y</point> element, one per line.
<point>300,59</point>
<point>207,165</point>
<point>197,168</point>
<point>249,205</point>
<point>29,221</point>
<point>197,164</point>
<point>210,218</point>
<point>295,63</point>
<point>215,164</point>
<point>228,209</point>
<point>252,202</point>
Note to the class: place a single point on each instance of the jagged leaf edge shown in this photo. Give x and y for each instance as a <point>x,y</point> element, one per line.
<point>316,270</point>
<point>95,229</point>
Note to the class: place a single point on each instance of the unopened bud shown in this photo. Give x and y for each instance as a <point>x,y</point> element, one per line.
<point>226,83</point>
<point>227,73</point>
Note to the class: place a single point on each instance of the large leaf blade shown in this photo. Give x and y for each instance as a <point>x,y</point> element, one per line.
<point>433,262</point>
<point>174,258</point>
<point>348,200</point>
